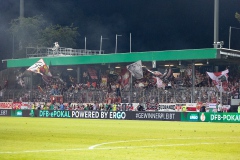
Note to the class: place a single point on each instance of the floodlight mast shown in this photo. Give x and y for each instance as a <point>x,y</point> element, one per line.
<point>216,22</point>
<point>101,39</point>
<point>116,42</point>
<point>21,8</point>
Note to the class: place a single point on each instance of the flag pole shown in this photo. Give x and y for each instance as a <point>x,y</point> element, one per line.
<point>130,96</point>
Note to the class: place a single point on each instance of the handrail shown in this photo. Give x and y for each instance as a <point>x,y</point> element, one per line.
<point>62,51</point>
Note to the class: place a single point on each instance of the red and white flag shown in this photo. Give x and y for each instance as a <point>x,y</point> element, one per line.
<point>41,68</point>
<point>220,79</point>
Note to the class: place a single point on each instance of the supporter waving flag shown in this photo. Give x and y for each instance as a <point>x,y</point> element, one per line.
<point>136,69</point>
<point>41,68</point>
<point>220,79</point>
<point>160,83</point>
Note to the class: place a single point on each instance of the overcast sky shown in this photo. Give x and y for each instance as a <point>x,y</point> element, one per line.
<point>155,25</point>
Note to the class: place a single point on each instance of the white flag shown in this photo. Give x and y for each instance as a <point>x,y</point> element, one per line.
<point>136,69</point>
<point>41,68</point>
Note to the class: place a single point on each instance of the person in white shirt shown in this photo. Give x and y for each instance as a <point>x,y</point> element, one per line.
<point>55,48</point>
<point>219,107</point>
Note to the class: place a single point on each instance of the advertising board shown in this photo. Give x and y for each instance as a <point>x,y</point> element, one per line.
<point>190,116</point>
<point>220,117</point>
<point>5,112</point>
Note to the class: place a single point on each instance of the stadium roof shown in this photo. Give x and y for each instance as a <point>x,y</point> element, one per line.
<point>175,55</point>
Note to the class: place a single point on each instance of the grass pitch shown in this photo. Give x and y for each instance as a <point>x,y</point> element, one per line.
<point>46,138</point>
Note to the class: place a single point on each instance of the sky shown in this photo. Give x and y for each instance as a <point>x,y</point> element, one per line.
<point>155,25</point>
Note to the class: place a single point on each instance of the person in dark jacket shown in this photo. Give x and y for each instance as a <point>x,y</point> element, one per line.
<point>203,108</point>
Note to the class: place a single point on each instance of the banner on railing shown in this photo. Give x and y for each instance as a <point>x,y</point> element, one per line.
<point>21,105</point>
<point>191,107</point>
<point>161,107</point>
<point>5,105</point>
<point>166,106</point>
<point>171,107</point>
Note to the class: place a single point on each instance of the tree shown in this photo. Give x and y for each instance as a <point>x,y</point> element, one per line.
<point>66,36</point>
<point>35,31</point>
<point>237,16</point>
<point>26,31</point>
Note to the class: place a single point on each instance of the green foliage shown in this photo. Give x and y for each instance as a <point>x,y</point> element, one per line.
<point>66,36</point>
<point>26,31</point>
<point>35,31</point>
<point>237,16</point>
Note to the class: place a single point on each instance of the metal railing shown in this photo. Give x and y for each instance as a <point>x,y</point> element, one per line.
<point>61,51</point>
<point>138,95</point>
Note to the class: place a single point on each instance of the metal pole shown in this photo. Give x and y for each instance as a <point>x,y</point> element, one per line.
<point>13,48</point>
<point>21,8</point>
<point>216,22</point>
<point>85,44</point>
<point>221,93</point>
<point>229,39</point>
<point>31,87</point>
<point>130,42</point>
<point>116,45</point>
<point>101,42</point>
<point>21,16</point>
<point>166,97</point>
<point>130,93</point>
<point>193,82</point>
<point>78,74</point>
<point>100,45</point>
<point>174,92</point>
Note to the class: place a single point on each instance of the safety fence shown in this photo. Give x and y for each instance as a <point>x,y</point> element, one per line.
<point>61,51</point>
<point>136,95</point>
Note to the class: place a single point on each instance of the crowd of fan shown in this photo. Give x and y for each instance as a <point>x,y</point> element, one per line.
<point>83,107</point>
<point>177,90</point>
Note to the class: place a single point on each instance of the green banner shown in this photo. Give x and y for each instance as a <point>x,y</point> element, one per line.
<point>16,113</point>
<point>190,116</point>
<point>219,117</point>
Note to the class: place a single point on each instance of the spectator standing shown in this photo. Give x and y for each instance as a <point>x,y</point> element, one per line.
<point>114,107</point>
<point>33,106</point>
<point>86,107</point>
<point>39,107</point>
<point>51,107</point>
<point>118,93</point>
<point>61,106</point>
<point>140,107</point>
<point>106,107</point>
<point>203,108</point>
<point>55,49</point>
<point>219,107</point>
<point>184,108</point>
<point>109,107</point>
<point>94,107</point>
<point>45,106</point>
